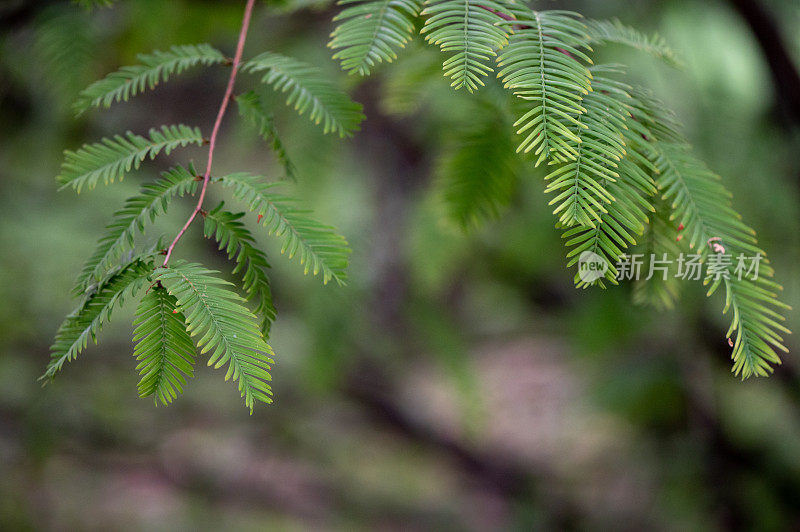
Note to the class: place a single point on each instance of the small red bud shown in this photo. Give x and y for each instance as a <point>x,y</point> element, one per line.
<point>259,218</point>
<point>679,238</point>
<point>175,311</point>
<point>680,227</point>
<point>730,342</point>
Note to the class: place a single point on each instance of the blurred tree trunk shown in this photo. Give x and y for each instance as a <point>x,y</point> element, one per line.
<point>785,76</point>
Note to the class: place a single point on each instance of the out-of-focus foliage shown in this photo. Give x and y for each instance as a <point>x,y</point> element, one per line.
<point>609,410</point>
<point>577,119</point>
<point>614,31</point>
<point>252,109</point>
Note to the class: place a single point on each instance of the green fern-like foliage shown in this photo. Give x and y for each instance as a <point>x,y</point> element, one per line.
<point>138,211</point>
<point>620,174</point>
<point>651,121</point>
<point>372,32</point>
<point>240,246</point>
<point>478,177</point>
<point>319,248</point>
<point>223,327</point>
<point>86,321</point>
<point>110,159</point>
<point>627,216</point>
<point>582,197</point>
<point>661,241</point>
<point>468,30</point>
<point>163,347</point>
<point>252,109</point>
<point>545,63</point>
<point>613,31</point>
<point>684,181</point>
<point>630,184</point>
<point>308,91</point>
<point>154,68</point>
<point>703,205</point>
<point>63,47</point>
<point>619,227</point>
<point>185,300</point>
<point>412,82</point>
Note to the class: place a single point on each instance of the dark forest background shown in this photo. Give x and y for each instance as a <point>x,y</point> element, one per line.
<point>459,381</point>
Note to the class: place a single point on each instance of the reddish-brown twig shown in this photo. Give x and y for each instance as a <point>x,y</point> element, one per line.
<point>498,13</point>
<point>248,10</point>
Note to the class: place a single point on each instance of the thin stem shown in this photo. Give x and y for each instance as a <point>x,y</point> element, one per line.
<point>248,11</point>
<point>498,13</point>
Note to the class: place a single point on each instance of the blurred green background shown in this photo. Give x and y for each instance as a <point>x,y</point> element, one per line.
<point>459,381</point>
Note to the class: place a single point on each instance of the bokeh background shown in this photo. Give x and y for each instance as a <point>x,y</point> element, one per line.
<point>459,381</point>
